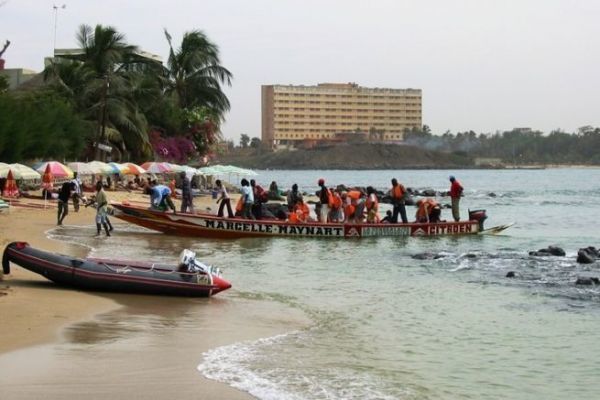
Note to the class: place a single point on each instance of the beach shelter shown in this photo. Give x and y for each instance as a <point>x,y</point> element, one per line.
<point>133,169</point>
<point>58,170</point>
<point>10,188</point>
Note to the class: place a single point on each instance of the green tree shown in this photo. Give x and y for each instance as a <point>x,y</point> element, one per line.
<point>255,143</point>
<point>101,82</point>
<point>194,74</point>
<point>244,140</point>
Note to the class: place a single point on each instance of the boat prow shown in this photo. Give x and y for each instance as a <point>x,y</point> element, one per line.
<point>496,229</point>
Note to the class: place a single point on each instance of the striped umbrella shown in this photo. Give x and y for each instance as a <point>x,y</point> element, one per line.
<point>154,167</point>
<point>19,171</point>
<point>58,170</point>
<point>133,169</point>
<point>117,168</point>
<point>10,188</point>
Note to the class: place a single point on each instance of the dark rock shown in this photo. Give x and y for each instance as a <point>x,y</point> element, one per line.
<point>492,194</point>
<point>585,256</point>
<point>549,251</point>
<point>424,256</point>
<point>587,281</point>
<point>428,193</point>
<point>511,274</point>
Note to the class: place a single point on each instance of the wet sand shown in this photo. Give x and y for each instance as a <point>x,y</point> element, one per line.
<point>59,343</point>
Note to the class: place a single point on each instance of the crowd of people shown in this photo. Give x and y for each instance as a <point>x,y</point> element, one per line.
<point>334,205</point>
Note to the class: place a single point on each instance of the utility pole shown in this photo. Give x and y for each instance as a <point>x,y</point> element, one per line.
<point>56,8</point>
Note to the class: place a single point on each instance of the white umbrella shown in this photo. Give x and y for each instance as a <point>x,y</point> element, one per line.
<point>19,171</point>
<point>100,167</point>
<point>81,168</point>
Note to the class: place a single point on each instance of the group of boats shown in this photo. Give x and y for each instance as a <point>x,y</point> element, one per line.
<point>189,277</point>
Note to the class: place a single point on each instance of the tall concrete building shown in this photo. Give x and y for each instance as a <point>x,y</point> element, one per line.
<point>337,112</point>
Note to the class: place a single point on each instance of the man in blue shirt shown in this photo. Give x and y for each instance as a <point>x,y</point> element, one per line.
<point>160,197</point>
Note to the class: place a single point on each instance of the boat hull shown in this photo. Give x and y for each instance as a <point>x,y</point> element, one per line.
<point>208,225</point>
<point>113,276</point>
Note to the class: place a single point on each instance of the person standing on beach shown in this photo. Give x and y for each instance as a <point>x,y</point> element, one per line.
<point>101,210</point>
<point>63,201</point>
<point>223,198</point>
<point>76,191</point>
<point>398,193</point>
<point>187,200</point>
<point>456,191</point>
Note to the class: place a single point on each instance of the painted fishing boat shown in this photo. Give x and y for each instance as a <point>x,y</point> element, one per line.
<point>188,278</point>
<point>212,226</point>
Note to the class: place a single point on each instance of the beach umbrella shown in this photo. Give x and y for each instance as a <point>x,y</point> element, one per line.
<point>58,170</point>
<point>101,168</point>
<point>10,188</point>
<point>19,171</point>
<point>48,178</point>
<point>154,167</point>
<point>81,168</point>
<point>117,168</point>
<point>133,169</point>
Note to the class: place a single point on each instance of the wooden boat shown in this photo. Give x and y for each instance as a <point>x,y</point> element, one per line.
<point>114,275</point>
<point>208,225</point>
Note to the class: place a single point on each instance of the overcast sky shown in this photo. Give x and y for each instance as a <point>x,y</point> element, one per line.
<point>484,65</point>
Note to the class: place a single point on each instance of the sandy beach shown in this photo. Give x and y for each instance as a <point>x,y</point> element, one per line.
<point>41,320</point>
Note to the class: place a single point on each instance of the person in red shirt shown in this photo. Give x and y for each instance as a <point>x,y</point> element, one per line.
<point>456,191</point>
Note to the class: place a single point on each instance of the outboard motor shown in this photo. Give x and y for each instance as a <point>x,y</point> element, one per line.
<point>187,258</point>
<point>478,215</point>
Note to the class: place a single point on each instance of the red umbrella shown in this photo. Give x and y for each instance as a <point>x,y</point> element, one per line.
<point>48,178</point>
<point>11,189</point>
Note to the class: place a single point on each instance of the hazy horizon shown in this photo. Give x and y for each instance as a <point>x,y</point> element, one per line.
<point>482,65</point>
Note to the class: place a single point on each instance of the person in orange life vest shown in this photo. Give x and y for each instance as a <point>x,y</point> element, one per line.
<point>372,205</point>
<point>356,200</point>
<point>428,210</point>
<point>335,205</point>
<point>397,192</point>
<point>324,198</point>
<point>302,211</point>
<point>456,191</point>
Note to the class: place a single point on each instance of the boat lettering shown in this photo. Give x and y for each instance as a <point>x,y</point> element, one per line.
<point>446,229</point>
<point>301,230</point>
<point>385,231</point>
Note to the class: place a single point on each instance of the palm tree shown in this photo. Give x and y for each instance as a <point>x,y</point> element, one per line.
<point>194,74</point>
<point>101,81</point>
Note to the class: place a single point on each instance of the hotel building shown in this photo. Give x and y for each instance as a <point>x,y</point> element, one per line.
<point>331,112</point>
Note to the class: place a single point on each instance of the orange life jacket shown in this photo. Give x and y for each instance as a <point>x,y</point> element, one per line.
<point>302,212</point>
<point>398,191</point>
<point>349,210</point>
<point>336,201</point>
<point>240,204</point>
<point>293,218</point>
<point>425,208</point>
<point>354,195</point>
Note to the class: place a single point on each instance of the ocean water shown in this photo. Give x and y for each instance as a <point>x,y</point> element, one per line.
<point>384,325</point>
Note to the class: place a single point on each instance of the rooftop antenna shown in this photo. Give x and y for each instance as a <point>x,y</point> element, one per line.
<point>56,8</point>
